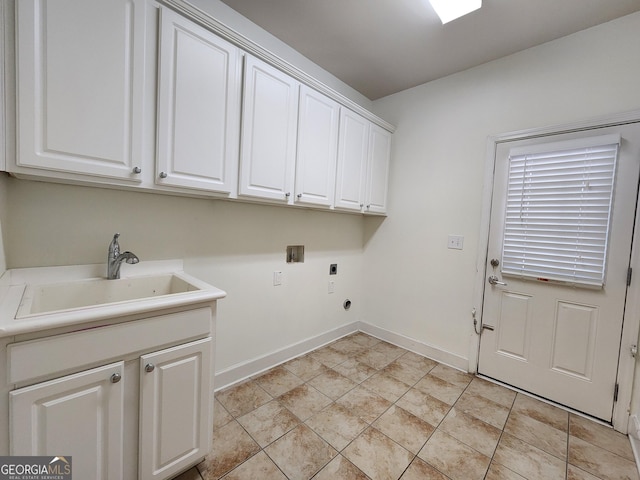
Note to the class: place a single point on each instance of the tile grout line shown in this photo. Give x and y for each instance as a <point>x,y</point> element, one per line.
<point>502,432</point>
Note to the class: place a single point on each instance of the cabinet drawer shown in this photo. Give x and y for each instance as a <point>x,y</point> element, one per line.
<point>35,359</point>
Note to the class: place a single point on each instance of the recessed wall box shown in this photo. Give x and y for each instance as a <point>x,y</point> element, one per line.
<point>333,269</point>
<point>295,254</point>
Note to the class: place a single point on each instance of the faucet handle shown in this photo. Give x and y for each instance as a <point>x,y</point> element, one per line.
<point>114,247</point>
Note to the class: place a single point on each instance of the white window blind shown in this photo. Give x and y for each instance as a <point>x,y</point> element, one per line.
<point>558,210</point>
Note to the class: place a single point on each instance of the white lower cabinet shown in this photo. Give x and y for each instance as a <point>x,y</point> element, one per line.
<point>80,415</point>
<point>174,398</point>
<point>147,413</point>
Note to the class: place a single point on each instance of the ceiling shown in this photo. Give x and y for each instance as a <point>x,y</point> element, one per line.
<point>380,47</point>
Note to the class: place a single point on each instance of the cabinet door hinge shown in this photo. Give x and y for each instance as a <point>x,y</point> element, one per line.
<point>629,272</point>
<point>615,392</point>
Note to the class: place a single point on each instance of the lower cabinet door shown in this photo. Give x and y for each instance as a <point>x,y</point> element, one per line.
<point>176,402</point>
<point>78,416</point>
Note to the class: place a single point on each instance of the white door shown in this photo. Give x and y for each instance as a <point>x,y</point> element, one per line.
<point>198,107</point>
<point>544,332</point>
<point>176,398</point>
<point>317,148</point>
<point>353,151</point>
<point>79,415</point>
<point>378,170</point>
<point>269,128</point>
<point>81,83</point>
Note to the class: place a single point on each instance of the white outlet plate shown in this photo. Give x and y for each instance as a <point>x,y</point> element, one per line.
<point>455,242</point>
<point>332,286</point>
<point>277,279</point>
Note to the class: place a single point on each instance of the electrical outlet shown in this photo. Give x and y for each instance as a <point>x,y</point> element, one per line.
<point>455,242</point>
<point>277,279</point>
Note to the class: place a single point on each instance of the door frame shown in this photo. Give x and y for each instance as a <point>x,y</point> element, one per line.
<point>631,320</point>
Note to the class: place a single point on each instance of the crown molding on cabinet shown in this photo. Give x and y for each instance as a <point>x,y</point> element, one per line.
<point>197,15</point>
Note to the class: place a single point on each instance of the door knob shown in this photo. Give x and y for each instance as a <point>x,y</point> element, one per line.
<point>116,377</point>
<point>149,367</point>
<point>493,280</point>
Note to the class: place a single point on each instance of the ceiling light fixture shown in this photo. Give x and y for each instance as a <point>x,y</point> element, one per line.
<point>449,10</point>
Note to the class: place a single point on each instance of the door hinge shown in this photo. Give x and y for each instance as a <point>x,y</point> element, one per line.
<point>629,272</point>
<point>615,392</point>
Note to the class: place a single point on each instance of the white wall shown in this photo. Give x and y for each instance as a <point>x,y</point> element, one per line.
<point>244,26</point>
<point>414,285</point>
<point>233,246</point>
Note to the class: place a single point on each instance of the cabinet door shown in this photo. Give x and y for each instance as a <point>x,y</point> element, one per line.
<point>269,121</point>
<point>198,107</point>
<point>78,415</point>
<point>80,77</point>
<point>317,148</point>
<point>353,147</point>
<point>378,170</point>
<point>176,402</point>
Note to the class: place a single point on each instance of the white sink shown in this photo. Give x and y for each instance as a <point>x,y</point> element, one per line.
<point>39,299</point>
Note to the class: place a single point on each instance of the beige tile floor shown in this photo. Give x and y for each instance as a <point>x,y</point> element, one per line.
<point>361,408</point>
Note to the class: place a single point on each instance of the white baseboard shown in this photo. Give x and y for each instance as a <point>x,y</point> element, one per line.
<point>434,353</point>
<point>248,369</point>
<point>244,370</point>
<point>634,438</point>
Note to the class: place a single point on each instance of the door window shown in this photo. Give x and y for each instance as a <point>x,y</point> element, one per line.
<point>558,210</point>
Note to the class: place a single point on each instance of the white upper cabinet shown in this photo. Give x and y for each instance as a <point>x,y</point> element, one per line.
<point>352,161</point>
<point>317,148</point>
<point>198,107</point>
<point>378,170</point>
<point>363,165</point>
<point>80,81</point>
<point>132,94</point>
<point>268,138</point>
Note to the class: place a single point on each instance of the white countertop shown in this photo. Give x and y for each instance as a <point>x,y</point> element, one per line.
<point>13,284</point>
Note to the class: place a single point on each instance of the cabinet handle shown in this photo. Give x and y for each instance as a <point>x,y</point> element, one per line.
<point>116,377</point>
<point>149,367</point>
<point>163,175</point>
<point>288,194</point>
<point>299,195</point>
<point>137,170</point>
<point>368,207</point>
<point>361,205</point>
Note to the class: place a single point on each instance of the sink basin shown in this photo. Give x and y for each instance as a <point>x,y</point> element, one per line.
<point>53,297</point>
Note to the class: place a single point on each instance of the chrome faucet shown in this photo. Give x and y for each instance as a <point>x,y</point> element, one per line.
<point>115,258</point>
